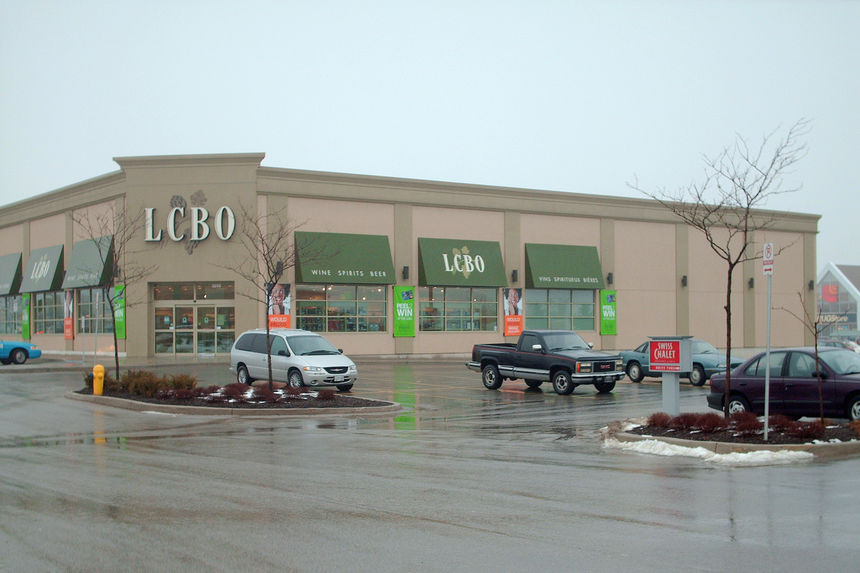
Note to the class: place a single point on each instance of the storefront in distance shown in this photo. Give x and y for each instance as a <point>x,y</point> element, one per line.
<point>461,262</point>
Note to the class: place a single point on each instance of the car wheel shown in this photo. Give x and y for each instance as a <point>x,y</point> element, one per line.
<point>854,408</point>
<point>344,387</point>
<point>561,382</point>
<point>490,377</point>
<point>738,404</point>
<point>242,375</point>
<point>18,356</point>
<point>604,387</point>
<point>697,376</point>
<point>634,371</point>
<point>295,380</point>
<point>534,383</point>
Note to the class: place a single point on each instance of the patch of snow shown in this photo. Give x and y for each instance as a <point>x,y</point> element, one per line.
<point>754,458</point>
<point>157,413</point>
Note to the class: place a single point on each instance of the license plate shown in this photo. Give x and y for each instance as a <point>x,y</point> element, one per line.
<point>338,378</point>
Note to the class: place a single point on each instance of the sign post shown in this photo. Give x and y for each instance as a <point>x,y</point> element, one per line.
<point>767,268</point>
<point>670,355</point>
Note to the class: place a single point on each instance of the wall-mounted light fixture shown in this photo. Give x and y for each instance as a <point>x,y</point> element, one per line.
<point>751,283</point>
<point>811,284</point>
<point>684,280</point>
<point>514,275</point>
<point>405,273</point>
<point>609,278</point>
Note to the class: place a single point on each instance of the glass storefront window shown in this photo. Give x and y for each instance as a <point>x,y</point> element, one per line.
<point>563,309</point>
<point>341,308</point>
<point>214,291</point>
<point>48,316</point>
<point>94,314</point>
<point>457,309</point>
<point>10,314</point>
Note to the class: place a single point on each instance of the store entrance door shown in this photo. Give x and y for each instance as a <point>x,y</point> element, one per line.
<point>188,320</point>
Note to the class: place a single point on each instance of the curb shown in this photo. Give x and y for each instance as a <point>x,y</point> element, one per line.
<point>388,408</point>
<point>828,450</point>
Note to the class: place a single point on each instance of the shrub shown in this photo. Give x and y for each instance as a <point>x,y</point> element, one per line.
<point>264,394</point>
<point>807,430</point>
<point>203,392</point>
<point>290,391</point>
<point>111,386</point>
<point>183,382</point>
<point>855,425</point>
<point>781,423</point>
<point>746,423</point>
<point>325,395</point>
<point>712,422</point>
<point>659,420</point>
<point>235,391</point>
<point>684,421</point>
<point>144,383</point>
<point>184,393</point>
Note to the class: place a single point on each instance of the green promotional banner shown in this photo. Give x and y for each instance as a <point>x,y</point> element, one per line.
<point>25,316</point>
<point>404,311</point>
<point>608,324</point>
<point>119,311</point>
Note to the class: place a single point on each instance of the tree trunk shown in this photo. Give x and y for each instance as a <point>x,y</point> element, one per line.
<point>728,308</point>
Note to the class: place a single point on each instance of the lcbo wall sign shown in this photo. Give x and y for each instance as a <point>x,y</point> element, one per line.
<point>224,223</point>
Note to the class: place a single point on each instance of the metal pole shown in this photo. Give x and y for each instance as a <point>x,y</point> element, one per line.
<point>767,361</point>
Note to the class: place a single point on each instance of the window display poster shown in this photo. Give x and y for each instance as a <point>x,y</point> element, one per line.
<point>279,306</point>
<point>404,311</point>
<point>513,311</point>
<point>119,311</point>
<point>608,325</point>
<point>25,316</point>
<point>68,315</point>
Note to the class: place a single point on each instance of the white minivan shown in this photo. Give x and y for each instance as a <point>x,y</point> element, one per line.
<point>299,358</point>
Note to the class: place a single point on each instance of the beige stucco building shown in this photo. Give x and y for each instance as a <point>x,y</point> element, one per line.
<point>561,249</point>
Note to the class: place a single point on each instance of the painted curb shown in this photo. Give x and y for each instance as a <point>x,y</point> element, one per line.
<point>388,408</point>
<point>822,451</point>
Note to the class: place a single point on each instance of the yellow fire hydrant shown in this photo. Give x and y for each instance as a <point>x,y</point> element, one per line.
<point>98,379</point>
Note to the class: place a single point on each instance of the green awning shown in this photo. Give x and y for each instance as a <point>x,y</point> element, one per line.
<point>91,264</point>
<point>44,270</point>
<point>10,273</point>
<point>458,262</point>
<point>563,266</point>
<point>343,258</point>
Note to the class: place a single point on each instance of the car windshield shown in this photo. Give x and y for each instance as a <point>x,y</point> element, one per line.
<point>842,361</point>
<point>564,341</point>
<point>310,345</point>
<point>702,347</point>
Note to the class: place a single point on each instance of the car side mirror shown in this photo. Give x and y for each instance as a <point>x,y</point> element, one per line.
<point>537,347</point>
<point>282,353</point>
<point>591,345</point>
<point>340,350</point>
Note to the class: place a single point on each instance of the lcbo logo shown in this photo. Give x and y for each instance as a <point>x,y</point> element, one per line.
<point>224,223</point>
<point>40,269</point>
<point>462,262</point>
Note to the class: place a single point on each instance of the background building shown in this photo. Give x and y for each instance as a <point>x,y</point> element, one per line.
<point>458,246</point>
<point>838,297</point>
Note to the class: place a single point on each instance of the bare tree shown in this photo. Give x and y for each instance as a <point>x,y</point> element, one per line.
<point>267,241</point>
<point>815,325</point>
<point>723,206</point>
<point>113,233</point>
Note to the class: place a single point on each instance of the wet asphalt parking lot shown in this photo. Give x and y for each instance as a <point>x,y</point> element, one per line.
<point>462,479</point>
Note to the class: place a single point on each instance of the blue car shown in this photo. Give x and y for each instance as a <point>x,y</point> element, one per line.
<point>17,352</point>
<point>707,361</point>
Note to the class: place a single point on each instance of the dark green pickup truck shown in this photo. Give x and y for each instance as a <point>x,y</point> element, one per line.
<point>558,356</point>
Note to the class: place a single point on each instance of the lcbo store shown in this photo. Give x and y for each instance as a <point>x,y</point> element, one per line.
<point>380,266</point>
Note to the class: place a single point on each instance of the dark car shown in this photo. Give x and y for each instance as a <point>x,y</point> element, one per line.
<point>793,384</point>
<point>707,361</point>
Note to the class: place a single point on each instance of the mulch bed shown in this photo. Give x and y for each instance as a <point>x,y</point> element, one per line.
<point>337,401</point>
<point>841,432</point>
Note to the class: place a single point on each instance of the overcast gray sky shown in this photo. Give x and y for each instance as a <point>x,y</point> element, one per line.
<point>580,96</point>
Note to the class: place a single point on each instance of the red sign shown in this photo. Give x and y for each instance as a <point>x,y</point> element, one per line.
<point>279,321</point>
<point>68,329</point>
<point>513,324</point>
<point>830,293</point>
<point>665,355</point>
